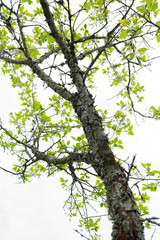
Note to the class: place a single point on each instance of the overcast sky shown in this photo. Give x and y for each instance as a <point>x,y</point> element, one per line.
<point>33,211</point>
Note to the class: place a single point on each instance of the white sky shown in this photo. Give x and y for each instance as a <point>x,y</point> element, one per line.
<point>33,211</point>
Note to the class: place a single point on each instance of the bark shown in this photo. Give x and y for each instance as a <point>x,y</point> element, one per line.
<point>127,224</point>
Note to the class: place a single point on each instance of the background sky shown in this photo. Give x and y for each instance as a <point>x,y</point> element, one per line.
<point>34,210</point>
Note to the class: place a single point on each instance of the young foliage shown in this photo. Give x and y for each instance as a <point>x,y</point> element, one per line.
<point>55,53</point>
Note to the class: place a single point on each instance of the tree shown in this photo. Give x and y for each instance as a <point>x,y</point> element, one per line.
<point>65,45</point>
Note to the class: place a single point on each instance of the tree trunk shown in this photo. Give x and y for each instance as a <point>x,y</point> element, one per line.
<point>127,224</point>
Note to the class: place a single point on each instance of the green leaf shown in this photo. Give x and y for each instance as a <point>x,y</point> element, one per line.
<point>78,145</point>
<point>148,225</point>
<point>154,7</point>
<point>142,50</point>
<point>139,61</point>
<point>142,9</point>
<point>125,22</point>
<point>123,34</point>
<point>78,195</point>
<point>101,204</point>
<point>121,146</point>
<point>149,3</point>
<point>75,139</point>
<point>158,38</point>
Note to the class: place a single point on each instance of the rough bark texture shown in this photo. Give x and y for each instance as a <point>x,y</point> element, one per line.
<point>127,224</point>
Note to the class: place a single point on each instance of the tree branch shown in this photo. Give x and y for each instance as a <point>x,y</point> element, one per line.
<point>85,157</point>
<point>150,220</point>
<point>92,63</point>
<point>10,60</point>
<point>68,54</point>
<point>136,12</point>
<point>54,31</point>
<point>62,91</point>
<point>47,55</point>
<point>25,48</point>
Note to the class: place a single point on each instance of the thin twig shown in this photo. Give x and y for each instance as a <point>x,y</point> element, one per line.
<point>81,234</point>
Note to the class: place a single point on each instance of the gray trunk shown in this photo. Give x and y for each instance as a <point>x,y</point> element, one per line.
<point>127,224</point>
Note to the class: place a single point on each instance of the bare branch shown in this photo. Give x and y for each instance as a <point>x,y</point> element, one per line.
<point>25,50</point>
<point>47,55</point>
<point>63,92</point>
<point>54,32</point>
<point>129,95</point>
<point>150,220</point>
<point>8,171</point>
<point>131,166</point>
<point>92,63</point>
<point>81,234</point>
